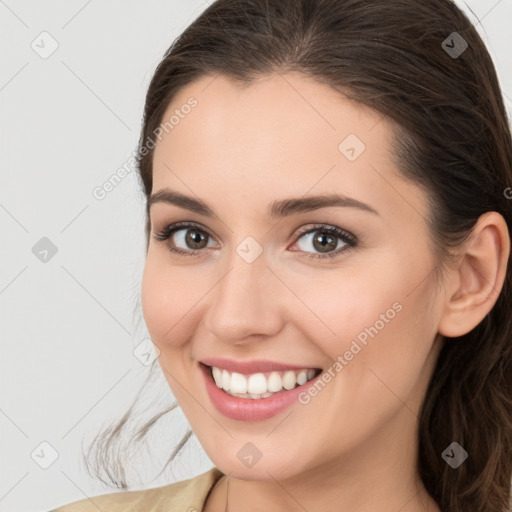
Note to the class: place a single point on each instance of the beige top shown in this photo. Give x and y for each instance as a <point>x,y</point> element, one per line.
<point>185,496</point>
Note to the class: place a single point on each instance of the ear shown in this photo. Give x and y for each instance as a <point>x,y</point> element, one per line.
<point>474,285</point>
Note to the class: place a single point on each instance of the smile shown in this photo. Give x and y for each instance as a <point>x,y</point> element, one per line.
<point>260,385</point>
<point>256,390</point>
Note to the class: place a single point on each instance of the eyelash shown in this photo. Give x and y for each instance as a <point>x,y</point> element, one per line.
<point>345,236</point>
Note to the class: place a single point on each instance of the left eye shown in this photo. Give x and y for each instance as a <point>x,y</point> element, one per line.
<point>325,239</point>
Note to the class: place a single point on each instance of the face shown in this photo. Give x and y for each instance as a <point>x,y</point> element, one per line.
<point>271,286</point>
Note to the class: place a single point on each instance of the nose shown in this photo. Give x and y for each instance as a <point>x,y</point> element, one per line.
<point>247,303</point>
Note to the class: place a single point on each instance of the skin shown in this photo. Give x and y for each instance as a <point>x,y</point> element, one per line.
<point>353,446</point>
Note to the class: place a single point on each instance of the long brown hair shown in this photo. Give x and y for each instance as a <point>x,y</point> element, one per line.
<point>423,65</point>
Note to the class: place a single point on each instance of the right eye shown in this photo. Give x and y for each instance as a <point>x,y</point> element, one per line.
<point>187,234</point>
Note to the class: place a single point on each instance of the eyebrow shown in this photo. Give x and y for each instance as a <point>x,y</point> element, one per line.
<point>276,209</point>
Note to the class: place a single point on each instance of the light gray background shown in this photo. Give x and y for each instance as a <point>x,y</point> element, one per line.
<point>70,325</point>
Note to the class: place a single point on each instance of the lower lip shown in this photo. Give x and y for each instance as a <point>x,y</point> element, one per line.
<point>248,409</point>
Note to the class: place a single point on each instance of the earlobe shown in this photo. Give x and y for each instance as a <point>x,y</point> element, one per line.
<point>478,279</point>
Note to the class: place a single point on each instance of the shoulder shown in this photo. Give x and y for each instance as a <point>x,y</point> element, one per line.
<point>185,496</point>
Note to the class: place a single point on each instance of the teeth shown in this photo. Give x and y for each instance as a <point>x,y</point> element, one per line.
<point>259,385</point>
<point>289,380</point>
<point>302,377</point>
<point>238,383</point>
<point>226,380</point>
<point>274,383</point>
<point>217,375</point>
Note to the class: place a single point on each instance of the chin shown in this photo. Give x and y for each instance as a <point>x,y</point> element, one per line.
<point>269,468</point>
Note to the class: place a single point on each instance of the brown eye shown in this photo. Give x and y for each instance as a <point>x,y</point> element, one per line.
<point>325,240</point>
<point>194,238</point>
<point>184,239</point>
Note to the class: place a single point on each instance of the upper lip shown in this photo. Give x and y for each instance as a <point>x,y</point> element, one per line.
<point>248,367</point>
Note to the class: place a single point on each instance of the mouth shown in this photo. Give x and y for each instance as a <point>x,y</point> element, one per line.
<point>260,385</point>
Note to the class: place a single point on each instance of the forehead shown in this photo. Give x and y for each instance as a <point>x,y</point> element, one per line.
<point>282,135</point>
<point>274,112</point>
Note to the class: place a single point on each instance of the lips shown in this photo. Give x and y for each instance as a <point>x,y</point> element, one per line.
<point>239,376</point>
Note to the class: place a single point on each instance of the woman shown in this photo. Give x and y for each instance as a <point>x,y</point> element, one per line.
<point>327,276</point>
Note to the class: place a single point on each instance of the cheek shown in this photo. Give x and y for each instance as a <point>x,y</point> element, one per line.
<point>378,364</point>
<point>346,305</point>
<point>372,314</point>
<point>168,297</point>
